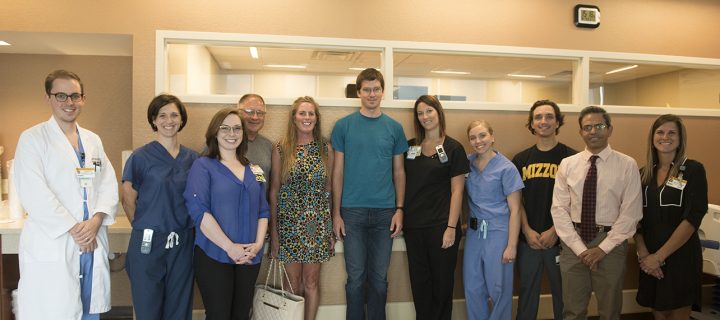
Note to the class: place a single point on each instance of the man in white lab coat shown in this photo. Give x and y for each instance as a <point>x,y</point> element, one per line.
<point>69,190</point>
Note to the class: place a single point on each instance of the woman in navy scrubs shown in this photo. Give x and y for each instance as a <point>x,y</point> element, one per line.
<point>159,259</point>
<point>674,203</point>
<point>226,199</point>
<point>435,168</point>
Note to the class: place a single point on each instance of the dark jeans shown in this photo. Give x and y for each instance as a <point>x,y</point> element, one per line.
<point>367,256</point>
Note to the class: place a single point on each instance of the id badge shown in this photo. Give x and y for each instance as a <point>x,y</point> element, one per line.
<point>146,241</point>
<point>413,152</point>
<point>677,183</point>
<point>258,172</point>
<point>85,176</point>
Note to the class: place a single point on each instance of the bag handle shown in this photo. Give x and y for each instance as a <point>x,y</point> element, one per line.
<point>275,268</point>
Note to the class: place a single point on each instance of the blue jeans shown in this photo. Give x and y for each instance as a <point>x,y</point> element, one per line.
<point>367,256</point>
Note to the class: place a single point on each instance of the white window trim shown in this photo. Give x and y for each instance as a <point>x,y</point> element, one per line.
<point>580,83</point>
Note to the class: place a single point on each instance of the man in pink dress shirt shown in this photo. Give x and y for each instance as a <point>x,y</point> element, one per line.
<point>598,262</point>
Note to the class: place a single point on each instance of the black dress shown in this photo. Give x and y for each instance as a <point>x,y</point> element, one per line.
<point>664,208</point>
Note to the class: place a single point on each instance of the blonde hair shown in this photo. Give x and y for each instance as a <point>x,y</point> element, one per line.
<point>287,144</point>
<point>479,123</point>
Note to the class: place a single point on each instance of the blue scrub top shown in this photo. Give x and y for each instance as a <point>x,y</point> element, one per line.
<point>236,205</point>
<point>160,181</point>
<point>488,190</point>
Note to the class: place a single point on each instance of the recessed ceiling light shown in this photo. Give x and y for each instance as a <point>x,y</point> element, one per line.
<point>254,52</point>
<point>622,69</point>
<point>286,66</point>
<point>531,76</point>
<point>449,72</point>
<point>3,43</point>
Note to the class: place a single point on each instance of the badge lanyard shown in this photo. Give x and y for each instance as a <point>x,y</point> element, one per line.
<point>81,158</point>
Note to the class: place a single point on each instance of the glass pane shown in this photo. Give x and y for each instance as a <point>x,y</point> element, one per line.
<point>465,77</point>
<point>200,69</point>
<point>653,85</point>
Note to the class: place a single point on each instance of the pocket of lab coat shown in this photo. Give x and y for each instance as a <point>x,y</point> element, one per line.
<point>38,247</point>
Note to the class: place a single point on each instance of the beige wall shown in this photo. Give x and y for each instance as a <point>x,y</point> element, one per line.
<point>658,27</point>
<point>108,86</point>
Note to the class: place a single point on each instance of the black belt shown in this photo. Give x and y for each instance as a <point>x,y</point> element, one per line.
<point>599,227</point>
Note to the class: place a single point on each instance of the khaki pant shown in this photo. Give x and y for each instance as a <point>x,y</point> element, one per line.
<point>578,282</point>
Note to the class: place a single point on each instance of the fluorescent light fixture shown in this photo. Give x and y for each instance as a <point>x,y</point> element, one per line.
<point>254,52</point>
<point>286,66</point>
<point>3,43</point>
<point>449,72</point>
<point>622,69</point>
<point>361,68</point>
<point>530,76</point>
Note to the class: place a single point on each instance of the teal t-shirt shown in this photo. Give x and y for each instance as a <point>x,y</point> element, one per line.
<point>369,145</point>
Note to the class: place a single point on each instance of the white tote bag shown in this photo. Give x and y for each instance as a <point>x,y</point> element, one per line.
<point>271,303</point>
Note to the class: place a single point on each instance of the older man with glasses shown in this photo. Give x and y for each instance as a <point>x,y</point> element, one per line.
<point>253,111</point>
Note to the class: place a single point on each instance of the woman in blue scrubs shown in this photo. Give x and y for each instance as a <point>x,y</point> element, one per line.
<point>493,187</point>
<point>226,199</point>
<point>159,259</point>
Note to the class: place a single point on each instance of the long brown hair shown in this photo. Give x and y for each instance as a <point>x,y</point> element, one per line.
<point>647,174</point>
<point>288,143</point>
<point>213,150</point>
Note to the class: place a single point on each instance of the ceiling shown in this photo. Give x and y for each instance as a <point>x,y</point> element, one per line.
<point>66,43</point>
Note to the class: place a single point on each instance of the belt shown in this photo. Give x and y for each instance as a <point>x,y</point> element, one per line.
<point>599,227</point>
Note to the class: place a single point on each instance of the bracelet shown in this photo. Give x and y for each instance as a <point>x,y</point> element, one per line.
<point>399,208</point>
<point>451,227</point>
<point>661,263</point>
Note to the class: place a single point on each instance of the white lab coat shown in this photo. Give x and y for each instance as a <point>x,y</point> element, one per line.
<point>50,192</point>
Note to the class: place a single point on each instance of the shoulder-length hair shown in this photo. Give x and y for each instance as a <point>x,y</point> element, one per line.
<point>288,143</point>
<point>213,150</point>
<point>435,103</point>
<point>647,174</point>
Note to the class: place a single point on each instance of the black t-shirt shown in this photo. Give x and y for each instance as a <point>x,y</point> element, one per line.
<point>427,187</point>
<point>538,169</point>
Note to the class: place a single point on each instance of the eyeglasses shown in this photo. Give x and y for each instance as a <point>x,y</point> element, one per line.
<point>253,112</point>
<point>598,127</point>
<point>62,96</point>
<point>225,129</point>
<point>376,90</point>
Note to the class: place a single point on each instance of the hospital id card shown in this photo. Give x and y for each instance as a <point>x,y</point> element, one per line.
<point>258,172</point>
<point>677,183</point>
<point>85,176</point>
<point>413,152</point>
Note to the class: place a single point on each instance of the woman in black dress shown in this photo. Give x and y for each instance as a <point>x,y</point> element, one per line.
<point>674,203</point>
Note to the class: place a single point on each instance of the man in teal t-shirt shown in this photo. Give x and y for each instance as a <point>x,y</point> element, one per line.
<point>368,193</point>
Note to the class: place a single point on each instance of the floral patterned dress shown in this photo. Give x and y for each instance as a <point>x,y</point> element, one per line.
<point>304,221</point>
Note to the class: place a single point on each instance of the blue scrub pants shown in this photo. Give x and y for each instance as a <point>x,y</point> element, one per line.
<point>162,281</point>
<point>367,249</point>
<point>488,282</point>
<point>531,264</point>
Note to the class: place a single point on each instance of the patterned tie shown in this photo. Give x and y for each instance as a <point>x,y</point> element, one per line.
<point>588,229</point>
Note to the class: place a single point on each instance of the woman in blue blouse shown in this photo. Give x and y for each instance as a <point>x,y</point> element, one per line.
<point>493,187</point>
<point>226,200</point>
<point>160,269</point>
